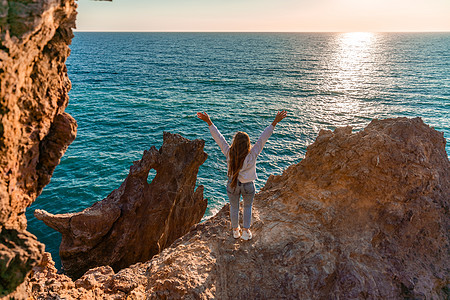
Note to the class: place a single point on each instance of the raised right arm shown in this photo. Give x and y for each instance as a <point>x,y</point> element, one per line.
<point>257,148</point>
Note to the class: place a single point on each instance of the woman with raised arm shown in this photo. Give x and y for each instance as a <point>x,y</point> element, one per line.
<point>241,161</point>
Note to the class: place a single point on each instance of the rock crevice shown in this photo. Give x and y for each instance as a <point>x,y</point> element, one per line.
<point>34,129</point>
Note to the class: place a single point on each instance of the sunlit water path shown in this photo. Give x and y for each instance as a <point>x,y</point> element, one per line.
<point>130,87</point>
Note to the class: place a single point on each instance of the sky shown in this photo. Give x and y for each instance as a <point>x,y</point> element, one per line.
<point>264,15</point>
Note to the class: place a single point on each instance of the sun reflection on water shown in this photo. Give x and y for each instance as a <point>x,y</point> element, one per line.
<point>354,59</point>
<point>352,65</point>
<point>354,52</point>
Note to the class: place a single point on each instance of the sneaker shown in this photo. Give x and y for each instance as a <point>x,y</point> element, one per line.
<point>237,233</point>
<point>246,235</point>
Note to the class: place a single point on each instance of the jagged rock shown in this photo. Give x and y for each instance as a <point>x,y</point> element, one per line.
<point>34,130</point>
<point>363,216</point>
<point>139,219</point>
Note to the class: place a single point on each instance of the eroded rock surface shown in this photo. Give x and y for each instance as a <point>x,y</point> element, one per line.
<point>363,216</point>
<point>34,129</point>
<point>139,219</point>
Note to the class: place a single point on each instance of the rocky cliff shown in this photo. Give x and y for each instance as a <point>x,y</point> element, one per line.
<point>137,220</point>
<point>34,129</point>
<point>363,216</point>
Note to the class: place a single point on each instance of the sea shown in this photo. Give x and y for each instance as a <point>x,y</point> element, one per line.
<point>128,88</point>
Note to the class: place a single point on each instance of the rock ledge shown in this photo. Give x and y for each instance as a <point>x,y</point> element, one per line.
<point>363,216</point>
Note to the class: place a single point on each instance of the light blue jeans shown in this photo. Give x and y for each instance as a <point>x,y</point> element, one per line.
<point>247,190</point>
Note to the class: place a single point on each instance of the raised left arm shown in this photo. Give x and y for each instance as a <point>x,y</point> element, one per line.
<point>217,136</point>
<point>280,116</point>
<point>204,117</point>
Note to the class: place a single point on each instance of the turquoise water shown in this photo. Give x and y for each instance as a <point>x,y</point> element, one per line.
<point>130,87</point>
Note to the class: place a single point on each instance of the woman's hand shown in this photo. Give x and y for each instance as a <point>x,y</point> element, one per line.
<point>204,116</point>
<point>280,116</point>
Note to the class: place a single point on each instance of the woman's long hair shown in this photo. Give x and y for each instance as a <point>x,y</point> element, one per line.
<point>238,151</point>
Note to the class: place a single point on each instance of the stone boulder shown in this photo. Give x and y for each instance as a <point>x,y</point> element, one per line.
<point>34,129</point>
<point>139,219</point>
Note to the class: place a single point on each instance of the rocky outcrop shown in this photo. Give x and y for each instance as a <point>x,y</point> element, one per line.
<point>97,283</point>
<point>34,129</point>
<point>139,219</point>
<point>363,216</point>
<point>19,252</point>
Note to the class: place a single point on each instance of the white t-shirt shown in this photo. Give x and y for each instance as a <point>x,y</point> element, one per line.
<point>248,170</point>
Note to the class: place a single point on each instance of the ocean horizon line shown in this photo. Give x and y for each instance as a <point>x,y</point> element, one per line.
<point>248,31</point>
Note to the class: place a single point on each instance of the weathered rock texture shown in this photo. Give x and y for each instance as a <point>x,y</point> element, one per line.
<point>137,220</point>
<point>363,216</point>
<point>34,129</point>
